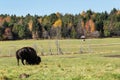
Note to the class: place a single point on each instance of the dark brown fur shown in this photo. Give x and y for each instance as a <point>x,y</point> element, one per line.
<point>29,55</point>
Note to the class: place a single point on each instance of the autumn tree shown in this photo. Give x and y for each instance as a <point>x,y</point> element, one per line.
<point>80,30</point>
<point>1,33</point>
<point>37,29</point>
<point>87,23</point>
<point>53,17</point>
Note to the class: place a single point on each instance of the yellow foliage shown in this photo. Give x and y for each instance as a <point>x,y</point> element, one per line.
<point>82,23</point>
<point>45,21</point>
<point>40,20</point>
<point>70,24</point>
<point>58,14</point>
<point>93,16</point>
<point>83,14</point>
<point>30,24</point>
<point>20,21</point>
<point>58,23</point>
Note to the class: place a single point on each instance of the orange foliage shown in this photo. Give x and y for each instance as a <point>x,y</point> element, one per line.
<point>87,26</point>
<point>1,21</point>
<point>118,12</point>
<point>7,19</point>
<point>90,26</point>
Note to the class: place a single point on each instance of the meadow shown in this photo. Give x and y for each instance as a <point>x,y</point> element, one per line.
<point>95,62</point>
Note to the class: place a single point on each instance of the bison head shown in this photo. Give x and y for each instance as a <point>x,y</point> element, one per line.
<point>38,60</point>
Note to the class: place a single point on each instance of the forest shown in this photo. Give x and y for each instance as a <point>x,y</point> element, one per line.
<point>58,26</point>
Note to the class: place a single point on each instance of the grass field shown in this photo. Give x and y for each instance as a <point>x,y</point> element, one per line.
<point>90,65</point>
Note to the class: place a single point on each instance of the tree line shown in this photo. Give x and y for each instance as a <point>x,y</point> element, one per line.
<point>56,25</point>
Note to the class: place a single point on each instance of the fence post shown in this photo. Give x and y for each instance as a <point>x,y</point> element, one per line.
<point>59,50</point>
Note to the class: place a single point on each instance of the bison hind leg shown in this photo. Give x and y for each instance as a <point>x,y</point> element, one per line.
<point>26,63</point>
<point>18,61</point>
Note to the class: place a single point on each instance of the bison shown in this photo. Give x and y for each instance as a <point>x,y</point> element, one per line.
<point>29,55</point>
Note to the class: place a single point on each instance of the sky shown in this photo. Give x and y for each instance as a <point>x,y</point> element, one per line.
<point>47,7</point>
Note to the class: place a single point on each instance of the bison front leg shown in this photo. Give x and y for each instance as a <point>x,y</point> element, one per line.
<point>23,61</point>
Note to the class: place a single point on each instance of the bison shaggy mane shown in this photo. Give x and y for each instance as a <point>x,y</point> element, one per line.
<point>29,55</point>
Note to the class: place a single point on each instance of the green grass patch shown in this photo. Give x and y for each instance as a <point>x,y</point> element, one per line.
<point>85,66</point>
<point>64,67</point>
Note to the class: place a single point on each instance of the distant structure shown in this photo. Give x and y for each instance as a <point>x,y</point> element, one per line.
<point>83,37</point>
<point>84,45</point>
